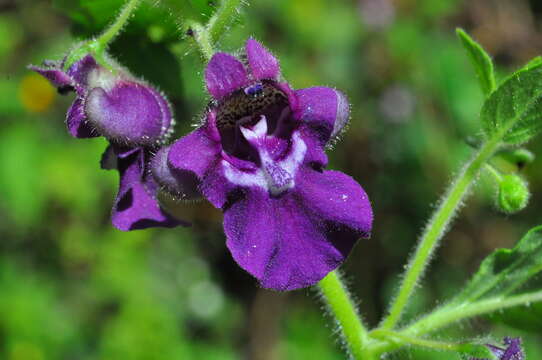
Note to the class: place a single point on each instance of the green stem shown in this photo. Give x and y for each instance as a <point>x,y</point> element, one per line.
<point>496,174</point>
<point>343,309</point>
<point>446,316</point>
<point>449,315</point>
<point>114,29</point>
<point>401,339</point>
<point>207,36</point>
<point>222,18</point>
<point>437,227</point>
<point>98,46</point>
<point>202,39</point>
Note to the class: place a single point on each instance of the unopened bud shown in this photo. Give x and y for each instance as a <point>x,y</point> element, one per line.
<point>513,194</point>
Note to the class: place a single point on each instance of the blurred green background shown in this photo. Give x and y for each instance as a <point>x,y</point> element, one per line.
<point>73,287</point>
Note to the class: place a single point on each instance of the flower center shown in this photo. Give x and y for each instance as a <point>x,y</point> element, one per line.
<point>248,104</point>
<point>245,107</point>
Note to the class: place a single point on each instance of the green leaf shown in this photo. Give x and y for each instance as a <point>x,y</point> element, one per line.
<point>476,351</point>
<point>523,318</point>
<point>514,111</point>
<point>505,270</point>
<point>483,65</point>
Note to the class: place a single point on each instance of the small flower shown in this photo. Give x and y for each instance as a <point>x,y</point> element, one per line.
<point>134,117</point>
<point>110,103</point>
<point>260,157</point>
<point>512,351</point>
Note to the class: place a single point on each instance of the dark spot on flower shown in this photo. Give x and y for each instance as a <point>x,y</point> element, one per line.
<point>126,201</point>
<point>252,102</point>
<point>189,32</point>
<point>66,89</point>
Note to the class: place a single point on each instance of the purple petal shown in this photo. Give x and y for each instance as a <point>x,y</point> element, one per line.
<point>136,206</point>
<point>224,74</point>
<point>338,198</point>
<point>80,70</point>
<point>316,156</point>
<point>129,112</point>
<point>215,187</point>
<point>293,241</point>
<point>76,121</point>
<point>57,77</point>
<point>263,64</point>
<point>324,109</point>
<point>194,153</point>
<point>182,184</point>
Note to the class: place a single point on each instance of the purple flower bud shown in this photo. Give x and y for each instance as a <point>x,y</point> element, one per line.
<point>111,103</point>
<point>511,351</point>
<point>260,157</point>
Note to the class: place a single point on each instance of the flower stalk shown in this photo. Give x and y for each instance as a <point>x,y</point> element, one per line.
<point>342,307</point>
<point>437,227</point>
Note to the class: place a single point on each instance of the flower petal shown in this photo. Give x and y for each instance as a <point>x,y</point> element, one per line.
<point>181,184</point>
<point>194,153</point>
<point>224,74</point>
<point>263,64</point>
<point>290,242</point>
<point>76,121</point>
<point>80,70</point>
<point>337,198</point>
<point>129,112</point>
<point>324,109</point>
<point>136,206</point>
<point>57,77</point>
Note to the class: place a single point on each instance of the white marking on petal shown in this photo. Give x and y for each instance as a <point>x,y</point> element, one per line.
<point>258,131</point>
<point>102,78</point>
<point>273,176</point>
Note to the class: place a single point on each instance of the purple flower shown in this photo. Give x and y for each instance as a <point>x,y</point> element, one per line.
<point>260,157</point>
<point>110,103</point>
<point>134,117</point>
<point>512,351</point>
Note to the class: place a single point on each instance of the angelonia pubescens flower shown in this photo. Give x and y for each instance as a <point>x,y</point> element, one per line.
<point>259,156</point>
<point>511,351</point>
<point>133,116</point>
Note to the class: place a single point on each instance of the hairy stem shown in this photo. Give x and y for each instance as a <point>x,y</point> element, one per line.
<point>402,339</point>
<point>202,39</point>
<point>437,227</point>
<point>222,18</point>
<point>343,309</point>
<point>114,29</point>
<point>448,315</point>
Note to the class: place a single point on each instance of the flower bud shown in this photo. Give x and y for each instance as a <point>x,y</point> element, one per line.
<point>513,194</point>
<point>111,103</point>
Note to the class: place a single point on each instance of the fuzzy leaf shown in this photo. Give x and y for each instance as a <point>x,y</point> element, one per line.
<point>483,65</point>
<point>527,318</point>
<point>514,110</point>
<point>505,270</point>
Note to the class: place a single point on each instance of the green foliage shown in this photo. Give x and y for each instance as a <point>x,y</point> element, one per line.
<point>505,270</point>
<point>90,17</point>
<point>514,110</point>
<point>483,65</point>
